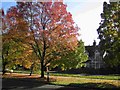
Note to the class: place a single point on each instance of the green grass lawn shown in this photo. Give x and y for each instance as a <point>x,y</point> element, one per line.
<point>106,77</point>
<point>22,71</point>
<point>87,82</point>
<point>90,81</point>
<point>81,80</point>
<point>26,71</point>
<point>78,80</point>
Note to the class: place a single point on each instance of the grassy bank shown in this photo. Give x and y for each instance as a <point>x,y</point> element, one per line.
<point>86,82</point>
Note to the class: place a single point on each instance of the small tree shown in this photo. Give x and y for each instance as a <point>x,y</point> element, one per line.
<point>14,50</point>
<point>73,59</point>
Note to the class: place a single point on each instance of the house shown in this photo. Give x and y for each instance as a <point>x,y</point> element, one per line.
<point>95,57</point>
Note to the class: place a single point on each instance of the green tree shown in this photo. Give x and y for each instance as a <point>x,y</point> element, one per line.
<point>73,59</point>
<point>109,33</point>
<point>11,53</point>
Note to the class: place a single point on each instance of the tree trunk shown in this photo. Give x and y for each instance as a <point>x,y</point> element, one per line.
<point>3,65</point>
<point>42,59</point>
<point>31,70</point>
<point>42,69</point>
<point>3,70</point>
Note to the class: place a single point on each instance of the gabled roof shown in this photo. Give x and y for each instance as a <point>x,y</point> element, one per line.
<point>90,50</point>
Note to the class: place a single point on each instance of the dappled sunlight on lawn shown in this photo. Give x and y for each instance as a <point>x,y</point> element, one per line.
<point>64,81</point>
<point>90,82</point>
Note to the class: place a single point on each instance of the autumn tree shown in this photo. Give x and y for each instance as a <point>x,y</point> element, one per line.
<point>109,33</point>
<point>14,50</point>
<point>49,29</point>
<point>4,61</point>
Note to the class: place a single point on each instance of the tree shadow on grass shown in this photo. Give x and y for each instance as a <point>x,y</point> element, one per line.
<point>90,86</point>
<point>14,83</point>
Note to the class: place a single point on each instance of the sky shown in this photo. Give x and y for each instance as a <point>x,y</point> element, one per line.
<point>85,13</point>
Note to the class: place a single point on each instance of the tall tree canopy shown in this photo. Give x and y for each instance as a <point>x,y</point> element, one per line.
<point>109,33</point>
<point>45,26</point>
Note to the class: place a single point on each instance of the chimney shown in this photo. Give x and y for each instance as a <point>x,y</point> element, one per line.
<point>94,43</point>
